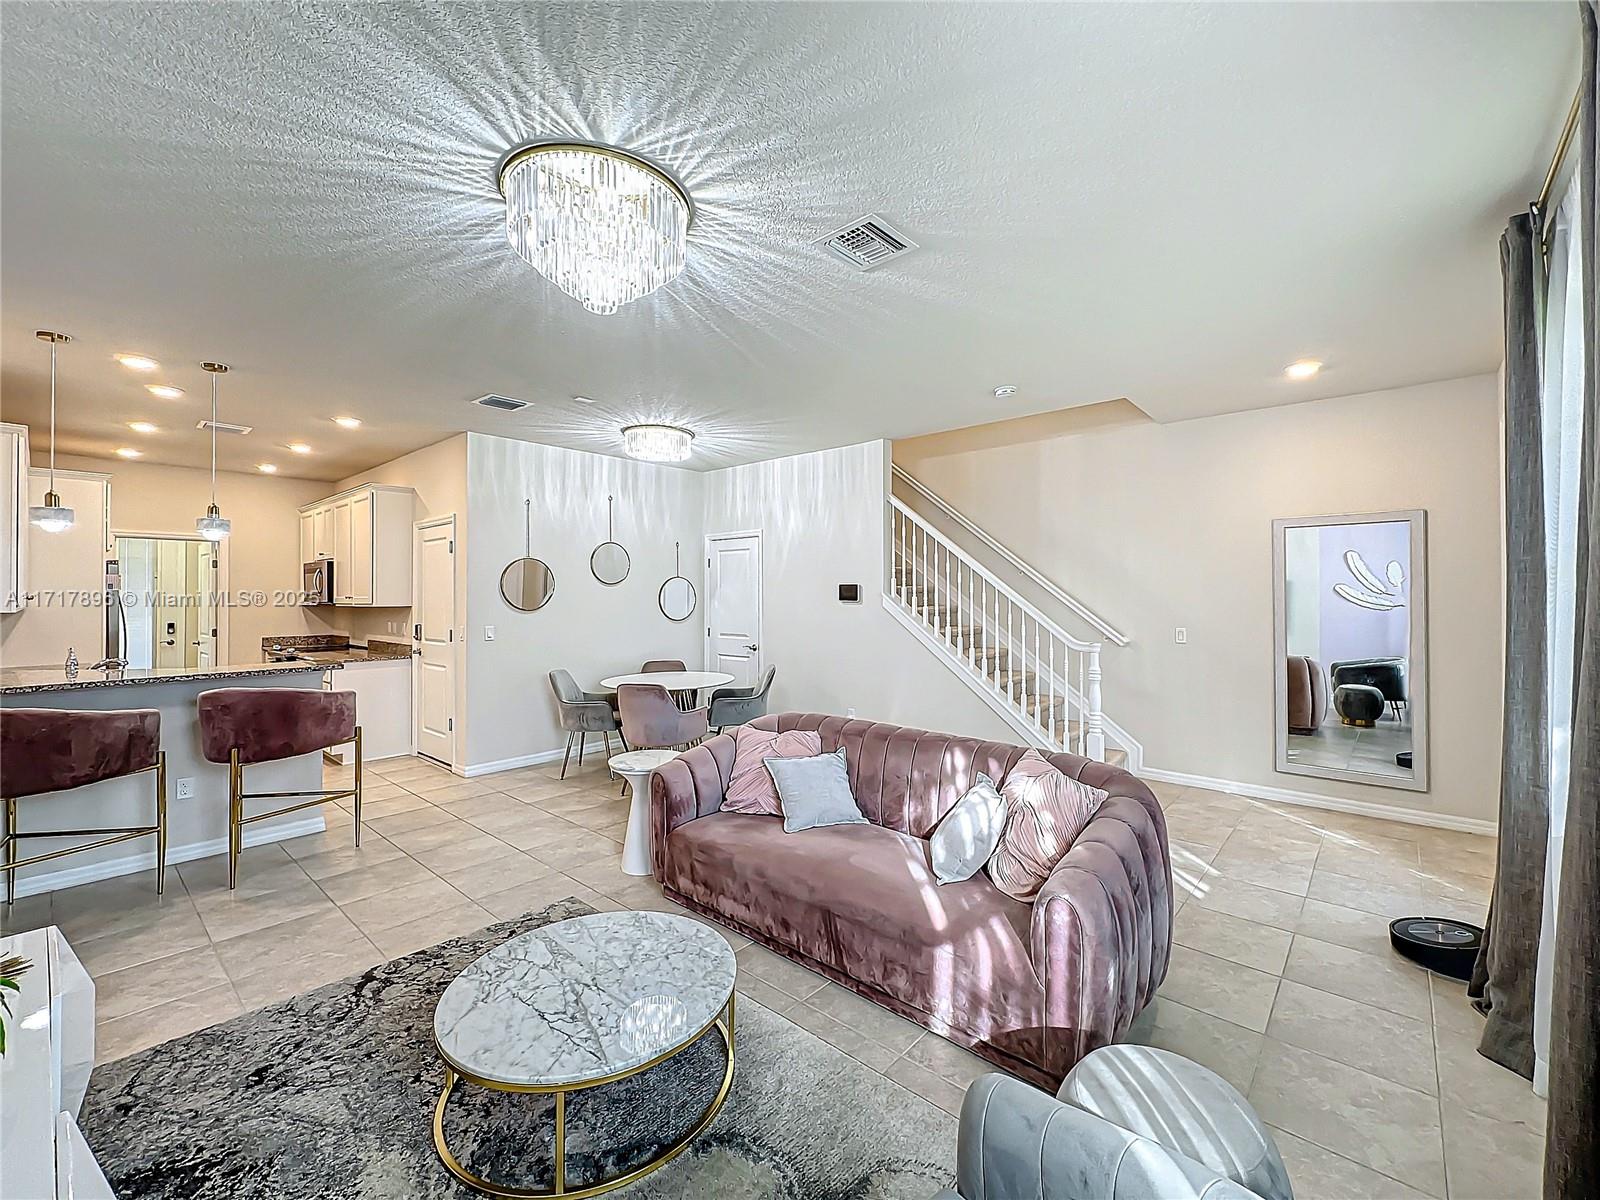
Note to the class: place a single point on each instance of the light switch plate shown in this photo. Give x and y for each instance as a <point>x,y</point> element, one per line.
<point>1181,635</point>
<point>488,633</point>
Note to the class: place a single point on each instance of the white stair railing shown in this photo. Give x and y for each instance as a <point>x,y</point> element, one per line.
<point>1046,677</point>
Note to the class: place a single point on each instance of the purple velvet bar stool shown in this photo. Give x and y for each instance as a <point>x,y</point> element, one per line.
<point>245,726</point>
<point>52,750</point>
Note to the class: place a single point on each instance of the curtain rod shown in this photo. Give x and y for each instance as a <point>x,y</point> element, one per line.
<point>1568,134</point>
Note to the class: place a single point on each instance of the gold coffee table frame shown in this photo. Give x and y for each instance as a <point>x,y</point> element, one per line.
<point>453,1072</point>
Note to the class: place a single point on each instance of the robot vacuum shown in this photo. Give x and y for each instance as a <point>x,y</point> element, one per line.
<point>1437,943</point>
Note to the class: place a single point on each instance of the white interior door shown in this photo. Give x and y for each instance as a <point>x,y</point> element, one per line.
<point>206,635</point>
<point>733,606</point>
<point>434,614</point>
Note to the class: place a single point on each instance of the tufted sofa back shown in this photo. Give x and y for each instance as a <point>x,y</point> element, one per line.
<point>908,779</point>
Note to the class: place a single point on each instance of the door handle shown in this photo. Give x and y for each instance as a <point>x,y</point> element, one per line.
<point>752,646</point>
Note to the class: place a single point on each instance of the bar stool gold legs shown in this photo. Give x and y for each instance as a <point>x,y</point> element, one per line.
<point>124,833</point>
<point>237,796</point>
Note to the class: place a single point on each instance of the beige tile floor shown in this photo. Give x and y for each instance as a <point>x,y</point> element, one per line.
<point>1282,978</point>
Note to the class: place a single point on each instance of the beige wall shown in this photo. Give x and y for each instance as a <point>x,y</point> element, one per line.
<point>1159,526</point>
<point>263,550</point>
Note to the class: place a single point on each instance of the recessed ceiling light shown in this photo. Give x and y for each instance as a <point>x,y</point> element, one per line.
<point>582,400</point>
<point>347,422</point>
<point>1004,390</point>
<point>137,362</point>
<point>163,391</point>
<point>129,452</point>
<point>267,468</point>
<point>141,427</point>
<point>298,448</point>
<point>1304,369</point>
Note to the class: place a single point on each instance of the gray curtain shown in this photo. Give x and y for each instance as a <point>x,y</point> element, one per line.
<point>1503,976</point>
<point>1572,1137</point>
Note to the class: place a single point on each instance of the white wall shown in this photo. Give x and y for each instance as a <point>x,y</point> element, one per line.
<point>822,522</point>
<point>1159,526</point>
<point>587,628</point>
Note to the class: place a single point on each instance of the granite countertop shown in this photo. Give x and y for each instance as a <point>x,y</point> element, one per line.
<point>331,649</point>
<point>21,680</point>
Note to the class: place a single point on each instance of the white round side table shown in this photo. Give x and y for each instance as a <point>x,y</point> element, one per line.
<point>636,767</point>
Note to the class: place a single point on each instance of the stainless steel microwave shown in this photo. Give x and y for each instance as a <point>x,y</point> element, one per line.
<point>316,583</point>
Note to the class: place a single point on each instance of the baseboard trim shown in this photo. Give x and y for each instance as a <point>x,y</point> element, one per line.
<point>1363,808</point>
<point>473,770</point>
<point>145,860</point>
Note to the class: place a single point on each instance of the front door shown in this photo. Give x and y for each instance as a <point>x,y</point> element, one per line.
<point>434,635</point>
<point>733,606</point>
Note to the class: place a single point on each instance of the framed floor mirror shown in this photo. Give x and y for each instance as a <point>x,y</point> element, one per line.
<point>1350,645</point>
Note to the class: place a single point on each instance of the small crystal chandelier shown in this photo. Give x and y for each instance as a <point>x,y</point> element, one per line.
<point>213,526</point>
<point>52,516</point>
<point>657,443</point>
<point>603,225</point>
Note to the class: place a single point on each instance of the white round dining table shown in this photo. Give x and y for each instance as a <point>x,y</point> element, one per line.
<point>673,681</point>
<point>685,686</point>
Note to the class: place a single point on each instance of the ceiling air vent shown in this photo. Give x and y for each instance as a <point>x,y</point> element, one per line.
<point>500,403</point>
<point>867,242</point>
<point>224,427</point>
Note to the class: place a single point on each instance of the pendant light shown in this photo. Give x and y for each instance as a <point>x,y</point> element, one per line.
<point>213,526</point>
<point>52,516</point>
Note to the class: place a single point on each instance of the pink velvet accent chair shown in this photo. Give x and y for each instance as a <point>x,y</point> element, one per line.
<point>44,750</point>
<point>1031,986</point>
<point>246,726</point>
<point>657,665</point>
<point>651,720</point>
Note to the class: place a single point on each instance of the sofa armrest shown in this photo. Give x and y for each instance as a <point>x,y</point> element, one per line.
<point>1016,1140</point>
<point>1101,934</point>
<point>690,786</point>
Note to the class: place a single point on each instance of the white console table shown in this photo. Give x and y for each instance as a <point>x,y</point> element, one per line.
<point>44,1075</point>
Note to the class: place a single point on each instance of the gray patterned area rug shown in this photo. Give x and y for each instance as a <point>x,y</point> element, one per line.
<point>331,1094</point>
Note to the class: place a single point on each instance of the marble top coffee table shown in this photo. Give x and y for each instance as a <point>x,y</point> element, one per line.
<point>581,1003</point>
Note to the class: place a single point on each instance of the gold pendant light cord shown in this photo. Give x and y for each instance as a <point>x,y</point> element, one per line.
<point>52,416</point>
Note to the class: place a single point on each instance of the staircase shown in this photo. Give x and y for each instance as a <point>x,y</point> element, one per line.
<point>1045,683</point>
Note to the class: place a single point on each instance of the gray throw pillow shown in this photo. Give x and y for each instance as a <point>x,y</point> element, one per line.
<point>970,831</point>
<point>814,791</point>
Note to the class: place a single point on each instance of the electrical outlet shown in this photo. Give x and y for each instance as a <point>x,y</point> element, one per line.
<point>488,633</point>
<point>1181,635</point>
<point>184,790</point>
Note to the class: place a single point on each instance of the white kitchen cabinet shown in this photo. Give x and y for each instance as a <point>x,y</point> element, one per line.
<point>367,533</point>
<point>13,517</point>
<point>383,707</point>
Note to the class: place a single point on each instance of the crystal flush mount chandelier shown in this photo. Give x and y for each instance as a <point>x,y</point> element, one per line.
<point>657,443</point>
<point>603,225</point>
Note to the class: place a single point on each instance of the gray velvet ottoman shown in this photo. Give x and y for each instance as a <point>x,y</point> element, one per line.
<point>1358,704</point>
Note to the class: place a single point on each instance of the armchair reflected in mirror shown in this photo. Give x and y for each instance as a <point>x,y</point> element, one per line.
<point>1350,616</point>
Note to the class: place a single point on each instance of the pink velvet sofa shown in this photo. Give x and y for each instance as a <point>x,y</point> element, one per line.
<point>1032,987</point>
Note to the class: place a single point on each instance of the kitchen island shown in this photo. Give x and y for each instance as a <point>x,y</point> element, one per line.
<point>197,790</point>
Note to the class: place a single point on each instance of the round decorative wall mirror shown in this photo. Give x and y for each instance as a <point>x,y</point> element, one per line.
<point>609,562</point>
<point>677,598</point>
<point>527,583</point>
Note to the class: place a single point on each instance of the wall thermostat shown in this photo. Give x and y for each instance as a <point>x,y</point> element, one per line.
<point>850,593</point>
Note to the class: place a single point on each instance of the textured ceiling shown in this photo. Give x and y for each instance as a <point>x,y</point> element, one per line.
<point>1160,202</point>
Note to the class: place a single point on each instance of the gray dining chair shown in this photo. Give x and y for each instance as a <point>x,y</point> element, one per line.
<point>583,713</point>
<point>740,706</point>
<point>651,720</point>
<point>656,665</point>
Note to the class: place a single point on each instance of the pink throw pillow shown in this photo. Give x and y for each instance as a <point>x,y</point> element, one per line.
<point>750,787</point>
<point>1045,813</point>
